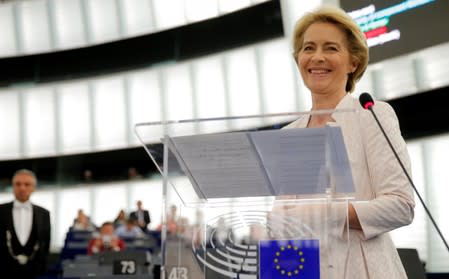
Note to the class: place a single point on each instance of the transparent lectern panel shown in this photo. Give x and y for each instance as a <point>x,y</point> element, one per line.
<point>263,239</point>
<point>152,134</point>
<point>258,202</point>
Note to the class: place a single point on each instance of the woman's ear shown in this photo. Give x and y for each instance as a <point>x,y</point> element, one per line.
<point>354,66</point>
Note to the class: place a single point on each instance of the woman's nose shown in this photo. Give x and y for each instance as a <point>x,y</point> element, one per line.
<point>318,56</point>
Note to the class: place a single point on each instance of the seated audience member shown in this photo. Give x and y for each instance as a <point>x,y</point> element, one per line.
<point>106,240</point>
<point>172,222</point>
<point>82,223</point>
<point>121,219</point>
<point>129,230</point>
<point>172,228</point>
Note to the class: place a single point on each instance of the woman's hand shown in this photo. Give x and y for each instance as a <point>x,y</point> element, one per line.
<point>354,222</point>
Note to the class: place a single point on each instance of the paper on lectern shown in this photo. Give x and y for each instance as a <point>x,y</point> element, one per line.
<point>264,163</point>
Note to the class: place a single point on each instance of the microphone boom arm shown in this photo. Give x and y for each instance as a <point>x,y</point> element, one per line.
<point>370,108</point>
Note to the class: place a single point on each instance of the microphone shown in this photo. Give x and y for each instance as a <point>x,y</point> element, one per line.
<point>367,102</point>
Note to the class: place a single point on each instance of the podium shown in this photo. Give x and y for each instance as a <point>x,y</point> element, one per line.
<point>243,198</point>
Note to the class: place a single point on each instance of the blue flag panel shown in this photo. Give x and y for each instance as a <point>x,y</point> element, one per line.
<point>299,259</point>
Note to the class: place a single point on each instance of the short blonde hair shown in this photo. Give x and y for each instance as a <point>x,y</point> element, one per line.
<point>356,42</point>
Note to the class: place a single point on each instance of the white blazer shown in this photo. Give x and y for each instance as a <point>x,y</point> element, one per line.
<point>379,180</point>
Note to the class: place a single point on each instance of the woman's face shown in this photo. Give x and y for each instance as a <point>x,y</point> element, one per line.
<point>324,60</point>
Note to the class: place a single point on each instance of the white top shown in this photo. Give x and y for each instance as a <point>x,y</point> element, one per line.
<point>22,214</point>
<point>381,183</point>
<point>124,232</point>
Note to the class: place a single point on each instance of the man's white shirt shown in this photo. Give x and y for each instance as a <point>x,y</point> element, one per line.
<point>22,214</point>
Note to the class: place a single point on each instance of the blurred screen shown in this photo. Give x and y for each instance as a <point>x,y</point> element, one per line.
<point>394,27</point>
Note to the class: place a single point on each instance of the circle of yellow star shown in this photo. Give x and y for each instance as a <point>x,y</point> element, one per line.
<point>278,261</point>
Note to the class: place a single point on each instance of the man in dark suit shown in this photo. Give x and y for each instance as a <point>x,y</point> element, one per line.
<point>142,217</point>
<point>24,231</point>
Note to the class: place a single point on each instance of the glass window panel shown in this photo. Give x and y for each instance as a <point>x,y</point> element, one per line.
<point>6,197</point>
<point>10,125</point>
<point>292,10</point>
<point>398,78</point>
<point>437,154</point>
<point>145,102</point>
<point>150,193</point>
<point>68,209</point>
<point>137,17</point>
<point>108,200</point>
<point>210,87</point>
<point>74,117</point>
<point>242,82</point>
<point>227,6</point>
<point>178,102</point>
<point>8,41</point>
<point>109,106</point>
<point>179,92</point>
<point>39,110</point>
<point>103,20</point>
<point>35,26</point>
<point>277,77</point>
<point>210,91</point>
<point>169,13</point>
<point>436,63</point>
<point>197,10</point>
<point>69,23</point>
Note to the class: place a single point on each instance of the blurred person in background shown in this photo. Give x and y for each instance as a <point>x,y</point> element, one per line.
<point>121,219</point>
<point>129,230</point>
<point>172,221</point>
<point>82,222</point>
<point>142,216</point>
<point>106,240</point>
<point>87,176</point>
<point>24,231</point>
<point>133,174</point>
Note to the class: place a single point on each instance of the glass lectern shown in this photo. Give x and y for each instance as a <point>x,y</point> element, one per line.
<point>243,198</point>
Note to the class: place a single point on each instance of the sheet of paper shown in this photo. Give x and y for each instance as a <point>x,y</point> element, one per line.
<point>294,159</point>
<point>265,163</point>
<point>223,165</point>
<point>304,161</point>
<point>340,170</point>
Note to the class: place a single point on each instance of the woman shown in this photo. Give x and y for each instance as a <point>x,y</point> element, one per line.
<point>82,222</point>
<point>121,219</point>
<point>332,55</point>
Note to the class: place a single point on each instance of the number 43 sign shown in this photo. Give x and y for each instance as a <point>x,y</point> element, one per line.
<point>178,273</point>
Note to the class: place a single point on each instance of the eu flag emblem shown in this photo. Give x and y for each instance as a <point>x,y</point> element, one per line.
<point>298,259</point>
